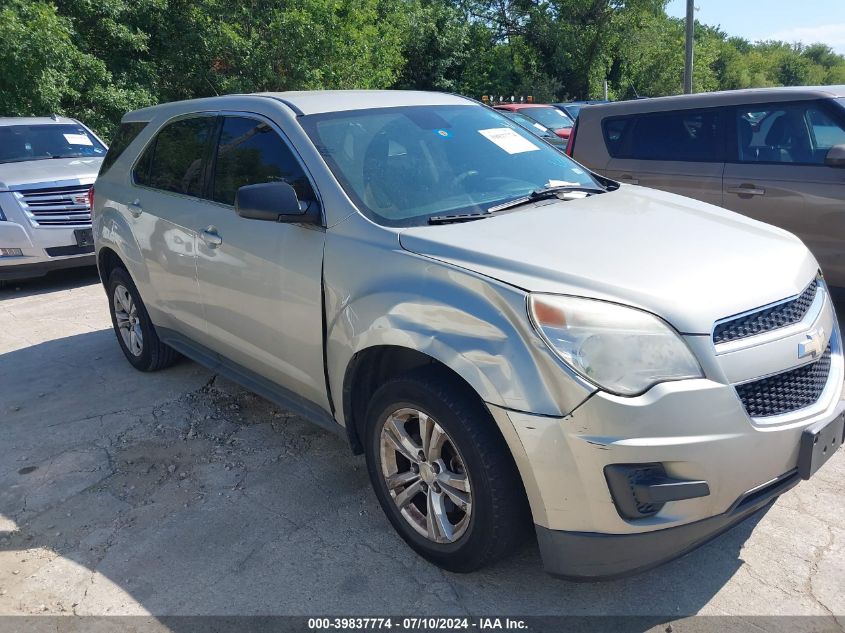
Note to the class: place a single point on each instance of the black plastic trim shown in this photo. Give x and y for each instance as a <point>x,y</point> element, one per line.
<point>64,251</point>
<point>250,380</point>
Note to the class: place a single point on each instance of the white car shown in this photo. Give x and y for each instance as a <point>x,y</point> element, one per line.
<point>47,167</point>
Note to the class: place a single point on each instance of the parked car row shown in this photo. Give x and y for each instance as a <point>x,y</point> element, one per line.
<point>548,116</point>
<point>510,338</point>
<point>536,128</point>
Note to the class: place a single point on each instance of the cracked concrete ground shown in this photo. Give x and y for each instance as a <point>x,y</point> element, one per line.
<point>179,493</point>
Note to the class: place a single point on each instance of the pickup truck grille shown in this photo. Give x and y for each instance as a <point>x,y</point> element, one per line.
<point>57,206</point>
<point>788,391</point>
<point>767,319</point>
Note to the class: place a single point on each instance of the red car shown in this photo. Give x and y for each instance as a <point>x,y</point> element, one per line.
<point>548,115</point>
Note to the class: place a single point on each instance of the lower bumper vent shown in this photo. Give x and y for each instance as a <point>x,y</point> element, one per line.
<point>64,251</point>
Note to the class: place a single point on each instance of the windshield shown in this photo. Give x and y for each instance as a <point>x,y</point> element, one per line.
<point>573,110</point>
<point>530,124</point>
<point>550,117</point>
<point>39,142</point>
<point>403,165</point>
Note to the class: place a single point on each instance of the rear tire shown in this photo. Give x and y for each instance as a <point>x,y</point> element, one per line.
<point>459,502</point>
<point>135,332</point>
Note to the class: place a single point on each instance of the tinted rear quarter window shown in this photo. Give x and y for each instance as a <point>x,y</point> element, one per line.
<point>126,133</point>
<point>175,160</point>
<point>251,152</point>
<point>686,135</point>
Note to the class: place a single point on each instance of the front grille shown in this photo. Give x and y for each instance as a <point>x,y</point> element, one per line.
<point>786,392</point>
<point>767,319</point>
<point>57,206</point>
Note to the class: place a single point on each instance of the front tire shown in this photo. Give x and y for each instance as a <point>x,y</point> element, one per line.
<point>135,332</point>
<point>442,472</point>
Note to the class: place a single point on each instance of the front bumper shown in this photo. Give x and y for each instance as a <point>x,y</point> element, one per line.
<point>584,556</point>
<point>36,245</point>
<point>696,430</point>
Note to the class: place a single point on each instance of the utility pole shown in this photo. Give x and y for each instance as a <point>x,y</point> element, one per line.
<point>689,45</point>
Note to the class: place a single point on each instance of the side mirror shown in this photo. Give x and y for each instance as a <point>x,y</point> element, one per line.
<point>274,202</point>
<point>835,156</point>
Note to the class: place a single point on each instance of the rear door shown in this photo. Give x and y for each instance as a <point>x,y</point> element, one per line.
<point>261,282</point>
<point>777,174</point>
<point>169,181</point>
<point>679,151</point>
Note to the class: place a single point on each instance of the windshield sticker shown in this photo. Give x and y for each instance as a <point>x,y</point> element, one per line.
<point>508,140</point>
<point>540,127</point>
<point>562,183</point>
<point>77,139</point>
<point>442,133</point>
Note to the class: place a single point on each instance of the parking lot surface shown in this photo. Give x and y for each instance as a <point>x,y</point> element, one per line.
<point>179,493</point>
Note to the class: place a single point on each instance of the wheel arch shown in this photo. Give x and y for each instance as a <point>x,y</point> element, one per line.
<point>371,367</point>
<point>108,260</point>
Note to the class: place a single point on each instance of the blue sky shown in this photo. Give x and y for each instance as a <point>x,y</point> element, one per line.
<point>805,21</point>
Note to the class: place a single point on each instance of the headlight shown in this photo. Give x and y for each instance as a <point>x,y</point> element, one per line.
<point>622,350</point>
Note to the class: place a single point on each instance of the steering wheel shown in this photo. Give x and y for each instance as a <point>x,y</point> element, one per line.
<point>470,173</point>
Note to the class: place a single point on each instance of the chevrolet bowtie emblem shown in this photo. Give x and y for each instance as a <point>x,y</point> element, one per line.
<point>813,346</point>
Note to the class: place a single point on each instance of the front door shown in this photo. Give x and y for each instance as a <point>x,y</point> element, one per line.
<point>779,176</point>
<point>261,282</point>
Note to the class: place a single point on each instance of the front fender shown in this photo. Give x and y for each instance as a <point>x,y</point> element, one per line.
<point>378,294</point>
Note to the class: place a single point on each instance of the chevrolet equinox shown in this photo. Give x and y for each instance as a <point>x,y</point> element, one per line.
<point>508,337</point>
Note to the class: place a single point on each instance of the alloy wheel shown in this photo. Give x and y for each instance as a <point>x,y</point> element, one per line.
<point>128,321</point>
<point>425,475</point>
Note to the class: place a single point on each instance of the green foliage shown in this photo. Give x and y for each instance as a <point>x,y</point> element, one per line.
<point>96,59</point>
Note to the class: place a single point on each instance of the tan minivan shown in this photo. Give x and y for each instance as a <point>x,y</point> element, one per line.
<point>774,154</point>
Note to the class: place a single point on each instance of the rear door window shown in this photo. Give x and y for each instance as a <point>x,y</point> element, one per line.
<point>250,152</point>
<point>175,160</point>
<point>685,135</point>
<point>786,133</point>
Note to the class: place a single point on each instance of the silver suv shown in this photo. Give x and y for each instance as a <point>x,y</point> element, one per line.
<point>47,166</point>
<point>508,338</point>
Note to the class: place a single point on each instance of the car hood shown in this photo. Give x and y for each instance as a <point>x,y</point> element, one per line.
<point>689,262</point>
<point>47,172</point>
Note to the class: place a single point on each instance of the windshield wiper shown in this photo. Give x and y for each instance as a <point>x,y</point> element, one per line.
<point>458,218</point>
<point>544,193</point>
<point>34,158</point>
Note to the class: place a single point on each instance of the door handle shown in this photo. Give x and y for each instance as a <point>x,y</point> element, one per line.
<point>211,237</point>
<point>135,208</point>
<point>747,190</point>
<point>628,178</point>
